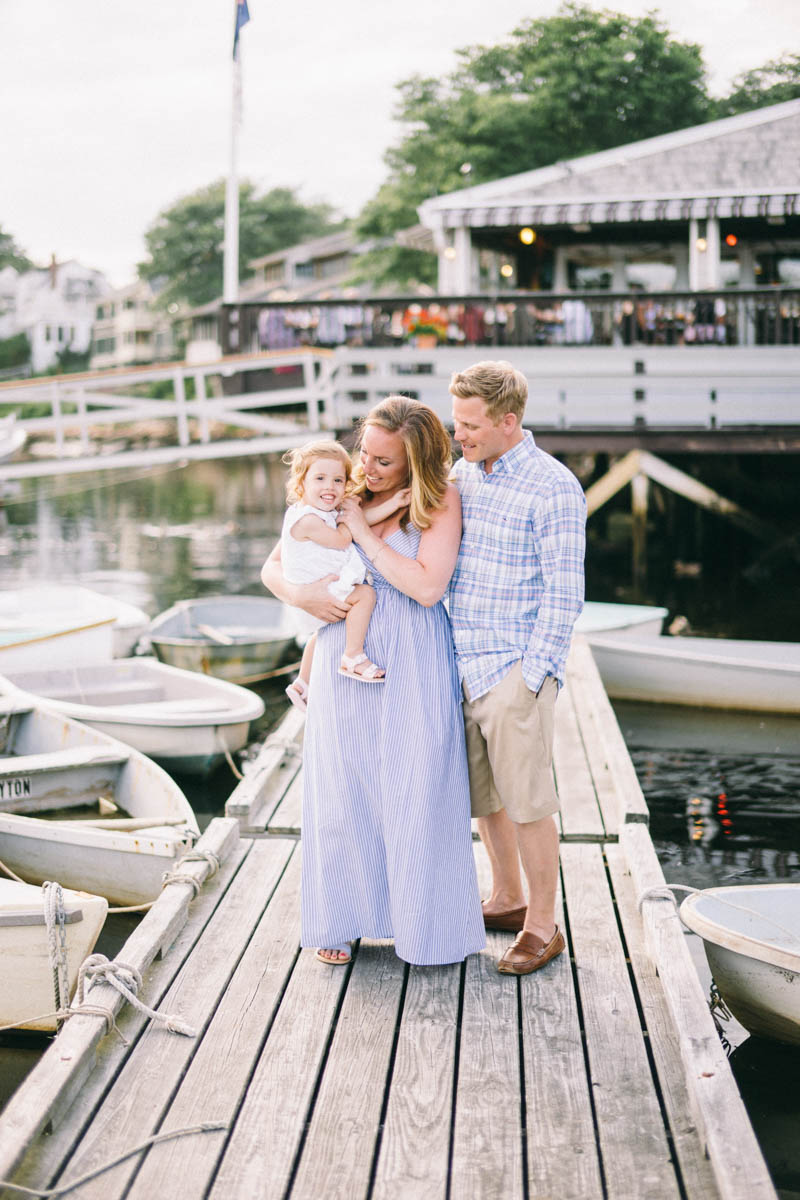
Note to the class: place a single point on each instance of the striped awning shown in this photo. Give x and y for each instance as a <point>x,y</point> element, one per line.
<point>609,212</point>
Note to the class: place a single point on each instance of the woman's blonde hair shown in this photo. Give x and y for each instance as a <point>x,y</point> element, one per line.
<point>428,452</point>
<point>300,459</point>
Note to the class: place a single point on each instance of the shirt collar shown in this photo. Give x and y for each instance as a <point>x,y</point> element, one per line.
<point>521,452</point>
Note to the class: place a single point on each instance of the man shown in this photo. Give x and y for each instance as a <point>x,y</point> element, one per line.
<point>514,598</point>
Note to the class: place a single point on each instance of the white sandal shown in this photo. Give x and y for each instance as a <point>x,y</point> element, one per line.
<point>297,691</point>
<point>369,675</point>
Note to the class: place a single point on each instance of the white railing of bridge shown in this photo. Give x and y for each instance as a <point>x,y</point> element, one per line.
<point>592,388</point>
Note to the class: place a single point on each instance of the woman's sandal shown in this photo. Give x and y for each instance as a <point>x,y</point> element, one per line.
<point>297,691</point>
<point>335,962</point>
<point>368,675</point>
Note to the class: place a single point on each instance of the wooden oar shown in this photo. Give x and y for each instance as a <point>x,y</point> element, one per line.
<point>123,824</point>
<point>216,635</point>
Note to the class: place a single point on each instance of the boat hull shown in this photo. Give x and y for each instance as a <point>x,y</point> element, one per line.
<point>26,981</point>
<point>125,867</point>
<point>763,998</point>
<point>184,721</point>
<point>751,937</point>
<point>701,672</point>
<point>255,637</point>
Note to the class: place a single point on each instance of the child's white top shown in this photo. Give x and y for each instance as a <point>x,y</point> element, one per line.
<point>304,562</point>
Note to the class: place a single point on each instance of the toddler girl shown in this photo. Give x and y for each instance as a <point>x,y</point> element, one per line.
<point>313,546</point>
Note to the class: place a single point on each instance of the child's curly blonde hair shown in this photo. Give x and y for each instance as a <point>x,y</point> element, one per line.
<point>300,459</point>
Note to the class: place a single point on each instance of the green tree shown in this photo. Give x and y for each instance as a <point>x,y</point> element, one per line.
<point>184,243</point>
<point>776,81</point>
<point>15,351</point>
<point>560,86</point>
<point>10,253</point>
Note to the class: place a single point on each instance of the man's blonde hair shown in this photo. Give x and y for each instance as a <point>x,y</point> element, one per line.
<point>300,459</point>
<point>501,386</point>
<point>428,452</point>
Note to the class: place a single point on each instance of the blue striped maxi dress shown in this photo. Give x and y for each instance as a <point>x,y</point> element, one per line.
<point>387,846</point>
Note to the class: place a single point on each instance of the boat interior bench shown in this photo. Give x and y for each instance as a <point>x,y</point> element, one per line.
<point>122,692</point>
<point>58,760</point>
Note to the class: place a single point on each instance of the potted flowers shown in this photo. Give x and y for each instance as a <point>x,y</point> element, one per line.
<point>425,327</point>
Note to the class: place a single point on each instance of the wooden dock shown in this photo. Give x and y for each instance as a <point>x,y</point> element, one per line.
<point>600,1076</point>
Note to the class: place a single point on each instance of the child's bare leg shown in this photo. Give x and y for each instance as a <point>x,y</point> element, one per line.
<point>356,624</point>
<point>297,691</point>
<point>307,659</point>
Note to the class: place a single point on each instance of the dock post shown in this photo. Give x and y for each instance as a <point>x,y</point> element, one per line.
<point>180,408</point>
<point>200,400</point>
<point>639,497</point>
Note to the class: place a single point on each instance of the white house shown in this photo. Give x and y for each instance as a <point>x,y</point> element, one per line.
<point>129,330</point>
<point>55,307</point>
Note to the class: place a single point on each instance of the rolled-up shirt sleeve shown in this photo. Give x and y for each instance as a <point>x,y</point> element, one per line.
<point>559,535</point>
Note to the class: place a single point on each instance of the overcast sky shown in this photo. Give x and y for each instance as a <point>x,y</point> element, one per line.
<point>112,109</point>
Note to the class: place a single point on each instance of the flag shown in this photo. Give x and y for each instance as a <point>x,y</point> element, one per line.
<point>242,17</point>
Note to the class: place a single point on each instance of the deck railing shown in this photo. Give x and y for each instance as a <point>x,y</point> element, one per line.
<point>756,317</point>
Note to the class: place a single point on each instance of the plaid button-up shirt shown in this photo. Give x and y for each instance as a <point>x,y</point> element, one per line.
<point>517,589</point>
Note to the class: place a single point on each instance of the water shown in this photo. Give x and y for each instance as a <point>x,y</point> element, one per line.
<point>723,789</point>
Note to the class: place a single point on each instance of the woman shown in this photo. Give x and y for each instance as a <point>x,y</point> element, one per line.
<point>387,847</point>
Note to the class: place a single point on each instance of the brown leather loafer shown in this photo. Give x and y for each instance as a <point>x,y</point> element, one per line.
<point>529,953</point>
<point>511,921</point>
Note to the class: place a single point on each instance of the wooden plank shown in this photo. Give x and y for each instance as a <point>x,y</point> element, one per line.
<point>56,1079</point>
<point>272,1120</point>
<point>633,1142</point>
<point>583,679</point>
<point>561,1145</point>
<point>134,1107</point>
<point>580,814</point>
<point>414,1150</point>
<point>487,1141</point>
<point>339,1150</point>
<point>716,1104</point>
<point>219,1077</point>
<point>287,814</point>
<point>696,1170</point>
<point>278,761</point>
<point>630,800</point>
<point>46,1155</point>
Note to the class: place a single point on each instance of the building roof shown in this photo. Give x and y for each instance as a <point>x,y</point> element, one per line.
<point>746,165</point>
<point>322,247</point>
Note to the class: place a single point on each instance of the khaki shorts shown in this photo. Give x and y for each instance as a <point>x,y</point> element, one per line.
<point>510,748</point>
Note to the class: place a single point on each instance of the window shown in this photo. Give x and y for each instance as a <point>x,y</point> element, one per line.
<point>273,272</point>
<point>304,270</point>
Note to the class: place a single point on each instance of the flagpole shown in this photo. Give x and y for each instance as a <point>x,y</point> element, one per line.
<point>230,275</point>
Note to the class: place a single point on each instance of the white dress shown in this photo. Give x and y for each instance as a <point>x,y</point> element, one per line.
<point>305,562</point>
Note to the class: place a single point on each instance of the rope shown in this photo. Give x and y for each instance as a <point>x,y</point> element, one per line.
<point>229,760</point>
<point>63,1188</point>
<point>10,873</point>
<point>55,923</point>
<point>127,981</point>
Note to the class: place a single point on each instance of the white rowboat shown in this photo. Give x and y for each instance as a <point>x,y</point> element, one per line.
<point>238,638</point>
<point>185,721</point>
<point>52,767</point>
<point>701,672</point>
<point>623,620</point>
<point>751,936</point>
<point>26,980</point>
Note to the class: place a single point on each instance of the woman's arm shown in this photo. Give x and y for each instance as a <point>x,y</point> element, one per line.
<point>424,578</point>
<point>314,597</point>
<point>313,529</point>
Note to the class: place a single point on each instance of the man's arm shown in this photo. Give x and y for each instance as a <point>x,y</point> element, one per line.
<point>559,530</point>
<point>314,597</point>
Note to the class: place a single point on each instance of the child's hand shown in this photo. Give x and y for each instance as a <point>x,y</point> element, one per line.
<point>402,498</point>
